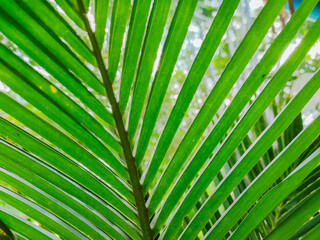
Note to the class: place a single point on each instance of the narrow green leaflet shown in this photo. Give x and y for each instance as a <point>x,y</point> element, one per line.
<point>24,227</point>
<point>71,9</point>
<point>36,50</point>
<point>137,26</point>
<point>12,153</point>
<point>23,72</point>
<point>313,234</point>
<point>120,14</point>
<point>177,32</point>
<point>53,205</point>
<point>74,5</point>
<point>250,158</point>
<point>297,198</point>
<point>40,215</point>
<point>65,190</point>
<point>197,71</point>
<point>54,45</point>
<point>48,15</point>
<point>307,227</point>
<point>56,137</point>
<point>241,129</point>
<point>275,196</point>
<point>70,124</point>
<point>302,214</point>
<point>269,175</point>
<point>217,95</point>
<point>85,178</point>
<point>71,12</point>
<point>156,24</point>
<point>101,14</point>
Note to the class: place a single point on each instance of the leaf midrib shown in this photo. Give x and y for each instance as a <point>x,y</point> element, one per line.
<point>132,168</point>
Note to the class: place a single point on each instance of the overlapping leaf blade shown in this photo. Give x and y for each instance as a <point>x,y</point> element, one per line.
<point>177,32</point>
<point>211,105</point>
<point>138,21</point>
<point>120,14</point>
<point>156,24</point>
<point>277,194</point>
<point>25,227</point>
<point>195,75</point>
<point>101,16</point>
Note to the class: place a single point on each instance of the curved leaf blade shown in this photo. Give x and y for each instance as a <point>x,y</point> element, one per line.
<point>101,15</point>
<point>197,71</point>
<point>138,22</point>
<point>177,32</point>
<point>25,227</point>
<point>120,13</point>
<point>156,24</point>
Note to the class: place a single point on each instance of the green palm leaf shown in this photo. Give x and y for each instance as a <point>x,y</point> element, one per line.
<point>89,148</point>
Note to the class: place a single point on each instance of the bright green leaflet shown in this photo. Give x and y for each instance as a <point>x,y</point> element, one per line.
<point>47,14</point>
<point>55,159</point>
<point>57,207</point>
<point>71,13</point>
<point>101,14</point>
<point>275,196</point>
<point>198,69</point>
<point>35,50</point>
<point>212,104</point>
<point>40,214</point>
<point>25,227</point>
<point>30,163</point>
<point>65,143</point>
<point>177,32</point>
<point>156,24</point>
<point>244,126</point>
<point>137,26</point>
<point>54,45</point>
<point>85,200</point>
<point>120,14</point>
<point>34,79</point>
<point>313,234</point>
<point>18,83</point>
<point>261,184</point>
<point>298,218</point>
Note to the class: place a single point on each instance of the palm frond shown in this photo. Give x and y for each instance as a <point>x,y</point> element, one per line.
<point>88,149</point>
